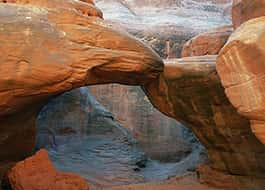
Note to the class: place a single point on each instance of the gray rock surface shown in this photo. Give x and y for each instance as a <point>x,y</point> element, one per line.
<point>84,138</point>
<point>161,137</point>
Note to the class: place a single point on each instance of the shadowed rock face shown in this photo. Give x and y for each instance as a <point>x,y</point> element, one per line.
<point>190,91</point>
<point>241,67</point>
<point>47,51</point>
<point>162,138</point>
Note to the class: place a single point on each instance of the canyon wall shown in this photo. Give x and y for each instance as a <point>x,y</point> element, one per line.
<point>161,137</point>
<point>176,21</point>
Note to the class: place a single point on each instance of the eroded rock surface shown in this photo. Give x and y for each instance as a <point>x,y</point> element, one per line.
<point>190,91</point>
<point>244,10</point>
<point>37,172</point>
<point>208,43</point>
<point>46,51</point>
<point>241,67</point>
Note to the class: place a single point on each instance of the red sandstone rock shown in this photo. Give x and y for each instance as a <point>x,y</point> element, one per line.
<point>38,173</point>
<point>244,10</point>
<point>241,67</point>
<point>208,43</point>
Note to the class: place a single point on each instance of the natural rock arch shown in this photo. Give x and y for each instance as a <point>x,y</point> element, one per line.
<point>47,51</point>
<point>58,49</point>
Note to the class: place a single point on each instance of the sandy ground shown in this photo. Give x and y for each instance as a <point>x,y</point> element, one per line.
<point>186,182</point>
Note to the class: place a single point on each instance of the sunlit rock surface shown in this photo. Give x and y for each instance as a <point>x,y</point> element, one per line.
<point>157,21</point>
<point>190,91</point>
<point>241,67</point>
<point>48,51</point>
<point>37,172</point>
<point>207,43</point>
<point>85,138</point>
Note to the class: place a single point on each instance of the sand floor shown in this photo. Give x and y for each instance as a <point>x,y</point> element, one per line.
<point>186,182</point>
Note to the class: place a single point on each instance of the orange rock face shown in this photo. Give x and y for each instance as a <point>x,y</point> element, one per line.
<point>49,47</point>
<point>85,6</point>
<point>208,43</point>
<point>37,172</point>
<point>244,10</point>
<point>241,67</point>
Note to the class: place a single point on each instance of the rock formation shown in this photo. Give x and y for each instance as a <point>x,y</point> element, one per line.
<point>49,48</point>
<point>37,172</point>
<point>46,51</point>
<point>190,91</point>
<point>244,10</point>
<point>241,67</point>
<point>208,43</point>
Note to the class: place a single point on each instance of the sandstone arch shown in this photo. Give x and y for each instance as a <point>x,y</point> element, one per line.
<point>46,51</point>
<point>57,49</point>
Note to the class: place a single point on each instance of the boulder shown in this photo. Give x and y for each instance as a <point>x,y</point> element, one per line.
<point>190,91</point>
<point>244,10</point>
<point>208,43</point>
<point>37,172</point>
<point>241,67</point>
<point>47,51</point>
